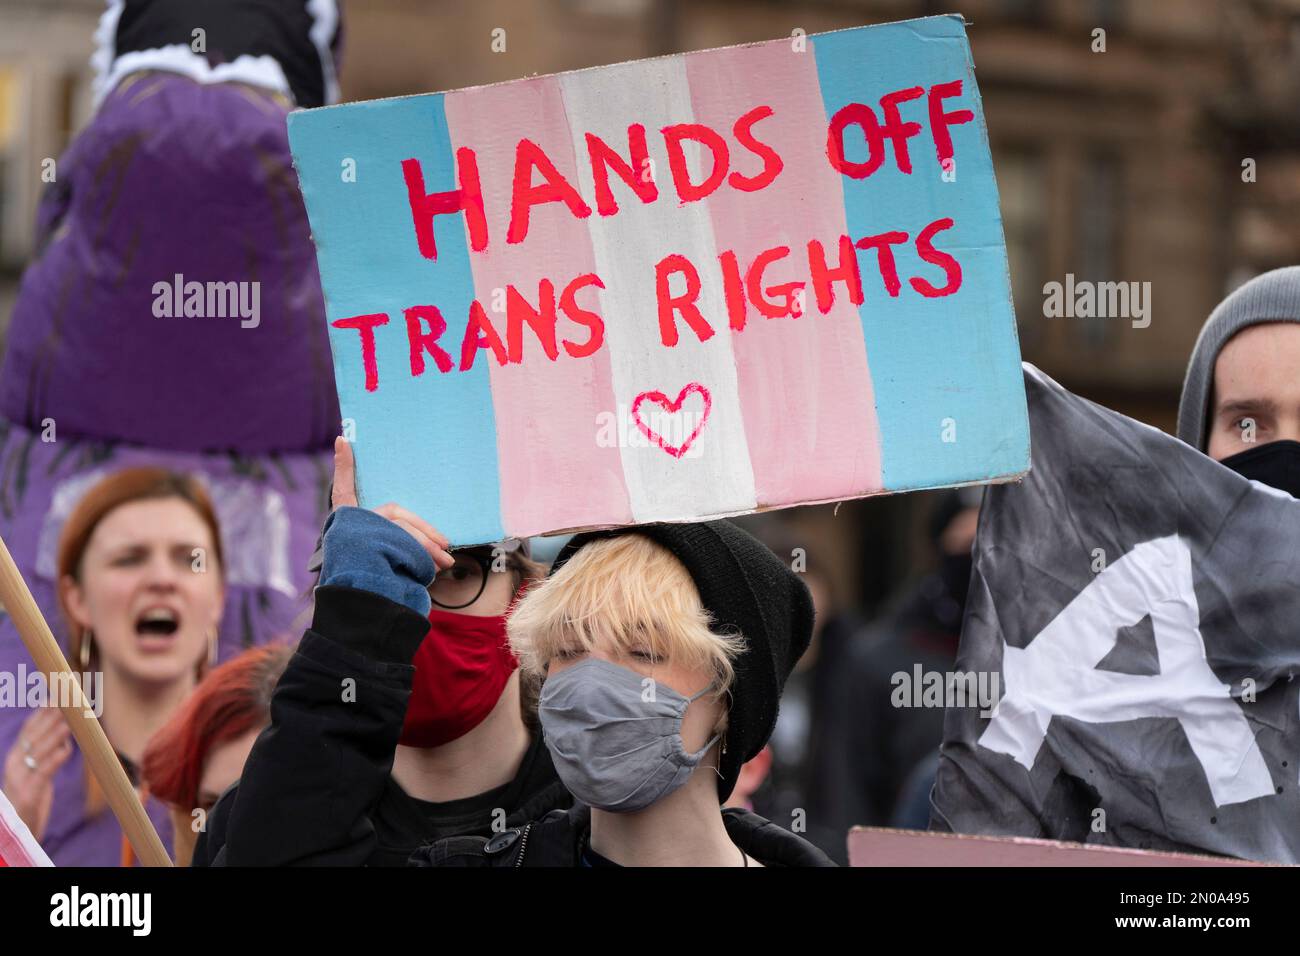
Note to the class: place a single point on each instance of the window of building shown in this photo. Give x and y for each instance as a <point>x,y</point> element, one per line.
<point>1096,255</point>
<point>1022,189</point>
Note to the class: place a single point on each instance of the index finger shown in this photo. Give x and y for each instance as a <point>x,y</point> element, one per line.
<point>43,718</point>
<point>344,494</point>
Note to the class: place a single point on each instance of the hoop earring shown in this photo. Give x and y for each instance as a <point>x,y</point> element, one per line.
<point>83,653</point>
<point>214,647</point>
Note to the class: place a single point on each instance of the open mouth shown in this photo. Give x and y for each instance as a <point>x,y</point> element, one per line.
<point>157,622</point>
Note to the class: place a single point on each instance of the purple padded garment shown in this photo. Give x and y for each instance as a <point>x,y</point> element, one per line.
<point>174,177</point>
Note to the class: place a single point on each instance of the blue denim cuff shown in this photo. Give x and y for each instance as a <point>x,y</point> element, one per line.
<point>366,551</point>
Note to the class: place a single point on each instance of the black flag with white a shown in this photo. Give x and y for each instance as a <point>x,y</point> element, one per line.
<point>1140,604</point>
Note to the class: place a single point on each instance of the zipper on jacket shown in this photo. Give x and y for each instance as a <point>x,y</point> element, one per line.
<point>523,844</point>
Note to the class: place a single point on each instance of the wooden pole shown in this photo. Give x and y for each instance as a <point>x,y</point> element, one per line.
<point>95,748</point>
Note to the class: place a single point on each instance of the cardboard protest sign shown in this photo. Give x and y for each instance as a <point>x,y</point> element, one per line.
<point>879,846</point>
<point>673,289</point>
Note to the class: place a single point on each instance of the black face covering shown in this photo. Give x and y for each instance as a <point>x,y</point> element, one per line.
<point>1276,464</point>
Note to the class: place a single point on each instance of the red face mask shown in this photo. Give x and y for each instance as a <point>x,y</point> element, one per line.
<point>460,671</point>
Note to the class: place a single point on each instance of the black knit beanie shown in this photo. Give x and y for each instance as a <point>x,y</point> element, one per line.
<point>745,588</point>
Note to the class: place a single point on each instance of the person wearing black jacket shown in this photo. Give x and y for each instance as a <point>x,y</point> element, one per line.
<point>664,649</point>
<point>562,838</point>
<point>881,757</point>
<point>387,733</point>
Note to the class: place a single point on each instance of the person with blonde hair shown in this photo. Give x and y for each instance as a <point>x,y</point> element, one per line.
<point>664,649</point>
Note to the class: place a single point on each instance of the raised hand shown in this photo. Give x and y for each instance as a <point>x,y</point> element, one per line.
<point>43,746</point>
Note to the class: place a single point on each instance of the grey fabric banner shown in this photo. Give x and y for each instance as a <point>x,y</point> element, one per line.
<point>1138,606</point>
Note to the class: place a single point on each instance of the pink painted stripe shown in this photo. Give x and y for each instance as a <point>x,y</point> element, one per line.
<point>564,479</point>
<point>821,439</point>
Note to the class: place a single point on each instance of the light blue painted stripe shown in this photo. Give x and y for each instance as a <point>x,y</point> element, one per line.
<point>931,359</point>
<point>428,443</point>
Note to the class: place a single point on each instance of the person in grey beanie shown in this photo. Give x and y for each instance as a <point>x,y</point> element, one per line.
<point>1241,397</point>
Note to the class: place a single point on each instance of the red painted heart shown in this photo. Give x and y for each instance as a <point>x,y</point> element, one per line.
<point>659,398</point>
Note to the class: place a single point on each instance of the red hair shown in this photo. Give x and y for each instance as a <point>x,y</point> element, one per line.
<point>229,702</point>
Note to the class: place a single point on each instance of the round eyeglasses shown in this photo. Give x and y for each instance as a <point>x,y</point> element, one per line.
<point>462,584</point>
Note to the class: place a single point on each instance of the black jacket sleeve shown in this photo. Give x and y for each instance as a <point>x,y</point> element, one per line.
<point>315,774</point>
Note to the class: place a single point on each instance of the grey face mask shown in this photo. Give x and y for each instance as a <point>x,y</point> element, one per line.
<point>614,749</point>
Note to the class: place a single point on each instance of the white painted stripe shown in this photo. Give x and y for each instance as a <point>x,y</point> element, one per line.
<point>715,476</point>
<point>10,820</point>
